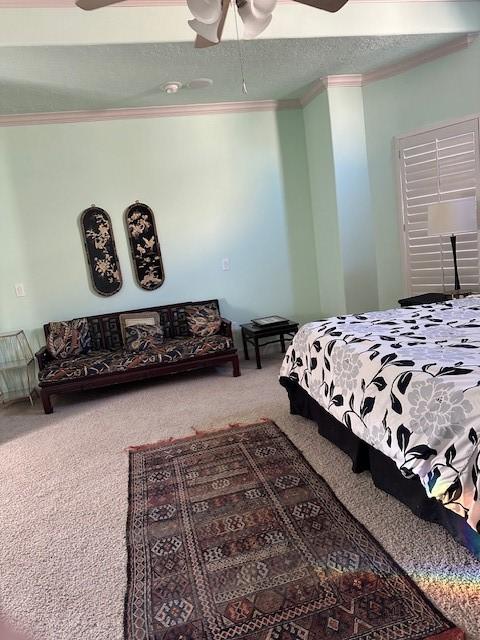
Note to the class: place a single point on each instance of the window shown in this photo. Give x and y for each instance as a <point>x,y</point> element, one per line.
<point>437,165</point>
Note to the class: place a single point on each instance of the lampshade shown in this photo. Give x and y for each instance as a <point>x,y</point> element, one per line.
<point>452,216</point>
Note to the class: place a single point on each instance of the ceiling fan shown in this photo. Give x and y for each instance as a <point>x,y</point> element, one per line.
<point>209,15</point>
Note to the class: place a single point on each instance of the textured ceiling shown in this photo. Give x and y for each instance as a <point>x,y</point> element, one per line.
<point>62,78</point>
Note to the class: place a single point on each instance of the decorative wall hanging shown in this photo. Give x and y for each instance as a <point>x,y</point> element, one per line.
<point>101,252</point>
<point>146,255</point>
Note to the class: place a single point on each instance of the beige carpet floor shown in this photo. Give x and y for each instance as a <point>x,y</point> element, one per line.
<point>63,499</point>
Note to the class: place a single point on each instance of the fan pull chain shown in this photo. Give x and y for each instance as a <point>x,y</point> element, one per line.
<point>239,45</point>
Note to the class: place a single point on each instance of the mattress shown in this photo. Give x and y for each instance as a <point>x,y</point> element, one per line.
<point>407,381</point>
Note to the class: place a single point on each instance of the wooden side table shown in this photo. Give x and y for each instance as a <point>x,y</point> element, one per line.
<point>252,333</point>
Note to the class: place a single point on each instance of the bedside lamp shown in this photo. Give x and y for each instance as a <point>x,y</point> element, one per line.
<point>452,217</point>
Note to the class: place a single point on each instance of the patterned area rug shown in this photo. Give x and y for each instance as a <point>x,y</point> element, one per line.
<point>232,534</point>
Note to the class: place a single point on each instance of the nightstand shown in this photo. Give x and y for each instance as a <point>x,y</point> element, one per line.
<point>252,333</point>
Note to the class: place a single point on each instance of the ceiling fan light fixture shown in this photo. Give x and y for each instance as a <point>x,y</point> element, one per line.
<point>253,26</point>
<point>208,31</point>
<point>256,15</point>
<point>206,11</point>
<point>258,8</point>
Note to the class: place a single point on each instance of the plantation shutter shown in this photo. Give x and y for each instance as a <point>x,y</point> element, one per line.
<point>438,165</point>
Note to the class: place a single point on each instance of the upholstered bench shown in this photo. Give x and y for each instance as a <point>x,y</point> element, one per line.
<point>109,349</point>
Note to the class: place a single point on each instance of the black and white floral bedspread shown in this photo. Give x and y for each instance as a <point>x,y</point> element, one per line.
<point>407,381</point>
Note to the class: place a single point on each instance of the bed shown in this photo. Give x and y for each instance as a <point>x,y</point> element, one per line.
<point>399,391</point>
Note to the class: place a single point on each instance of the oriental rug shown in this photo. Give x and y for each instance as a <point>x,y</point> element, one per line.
<point>232,534</point>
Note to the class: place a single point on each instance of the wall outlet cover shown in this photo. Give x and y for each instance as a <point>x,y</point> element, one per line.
<point>19,290</point>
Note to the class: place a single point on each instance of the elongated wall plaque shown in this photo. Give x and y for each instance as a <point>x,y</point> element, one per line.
<point>145,248</point>
<point>101,251</point>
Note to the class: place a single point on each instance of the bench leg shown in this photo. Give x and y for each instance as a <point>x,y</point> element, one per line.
<point>46,401</point>
<point>236,367</point>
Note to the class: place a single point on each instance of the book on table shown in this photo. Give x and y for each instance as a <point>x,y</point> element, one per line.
<point>270,321</point>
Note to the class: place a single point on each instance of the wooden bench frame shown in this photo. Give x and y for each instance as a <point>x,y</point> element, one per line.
<point>48,389</point>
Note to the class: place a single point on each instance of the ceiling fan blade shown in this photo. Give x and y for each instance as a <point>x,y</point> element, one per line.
<point>326,5</point>
<point>89,5</point>
<point>201,42</point>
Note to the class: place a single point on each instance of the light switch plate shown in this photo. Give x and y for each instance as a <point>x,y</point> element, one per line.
<point>20,290</point>
<point>226,264</point>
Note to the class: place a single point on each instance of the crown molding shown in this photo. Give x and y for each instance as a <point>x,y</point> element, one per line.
<point>346,80</point>
<point>69,4</point>
<point>359,80</point>
<point>166,111</point>
<point>387,71</point>
<point>313,91</point>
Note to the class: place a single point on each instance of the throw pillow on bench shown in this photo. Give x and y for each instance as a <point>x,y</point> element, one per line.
<point>69,338</point>
<point>143,337</point>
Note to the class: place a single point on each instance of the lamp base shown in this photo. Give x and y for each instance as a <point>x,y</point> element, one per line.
<point>453,241</point>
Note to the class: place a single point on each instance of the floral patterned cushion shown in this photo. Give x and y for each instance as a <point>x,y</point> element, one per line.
<point>192,347</point>
<point>103,362</point>
<point>143,337</point>
<point>203,319</point>
<point>69,338</point>
<point>141,317</point>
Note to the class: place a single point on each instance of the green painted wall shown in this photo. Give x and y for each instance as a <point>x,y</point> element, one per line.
<point>441,90</point>
<point>349,138</point>
<point>356,225</point>
<point>13,263</point>
<point>231,186</point>
<point>341,203</point>
<point>277,193</point>
<point>298,208</point>
<point>324,206</point>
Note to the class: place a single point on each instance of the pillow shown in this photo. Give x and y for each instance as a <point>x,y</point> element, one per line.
<point>143,337</point>
<point>142,317</point>
<point>203,319</point>
<point>70,338</point>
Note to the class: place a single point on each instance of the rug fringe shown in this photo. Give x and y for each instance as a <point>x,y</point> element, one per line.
<point>197,433</point>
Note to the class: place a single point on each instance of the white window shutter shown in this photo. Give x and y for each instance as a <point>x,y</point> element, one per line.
<point>437,165</point>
